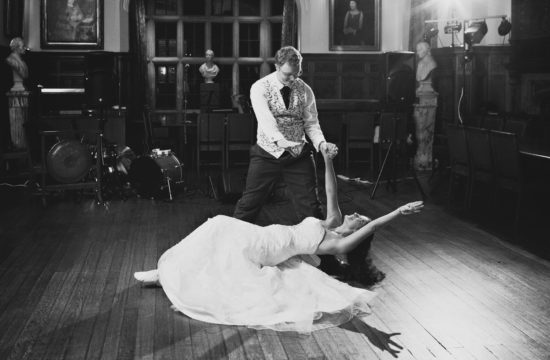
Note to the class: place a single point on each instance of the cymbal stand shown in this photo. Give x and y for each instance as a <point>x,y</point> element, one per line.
<point>169,180</point>
<point>185,92</point>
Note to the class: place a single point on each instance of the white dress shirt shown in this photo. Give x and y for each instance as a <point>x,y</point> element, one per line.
<point>275,120</point>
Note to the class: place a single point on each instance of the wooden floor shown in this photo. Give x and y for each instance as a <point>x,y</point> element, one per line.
<point>452,291</point>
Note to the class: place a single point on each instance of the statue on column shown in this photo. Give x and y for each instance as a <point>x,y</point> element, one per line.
<point>426,64</point>
<point>210,92</point>
<point>425,109</point>
<point>18,97</point>
<point>208,69</point>
<point>18,66</point>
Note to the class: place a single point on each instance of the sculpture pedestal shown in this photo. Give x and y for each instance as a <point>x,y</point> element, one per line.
<point>424,120</point>
<point>19,112</point>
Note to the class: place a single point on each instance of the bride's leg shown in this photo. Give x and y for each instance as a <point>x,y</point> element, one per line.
<point>150,277</point>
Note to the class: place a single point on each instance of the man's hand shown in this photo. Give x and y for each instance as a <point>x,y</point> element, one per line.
<point>328,149</point>
<point>286,144</point>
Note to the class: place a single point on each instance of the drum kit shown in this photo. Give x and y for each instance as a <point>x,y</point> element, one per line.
<point>154,175</point>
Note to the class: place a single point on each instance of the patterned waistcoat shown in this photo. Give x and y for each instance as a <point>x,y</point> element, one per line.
<point>289,121</point>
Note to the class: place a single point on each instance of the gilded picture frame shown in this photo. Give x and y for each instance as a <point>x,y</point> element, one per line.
<point>355,25</point>
<point>72,24</point>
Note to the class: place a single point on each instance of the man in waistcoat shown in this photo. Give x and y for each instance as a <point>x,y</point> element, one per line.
<point>286,112</point>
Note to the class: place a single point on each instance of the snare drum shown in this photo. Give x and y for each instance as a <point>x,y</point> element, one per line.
<point>150,174</point>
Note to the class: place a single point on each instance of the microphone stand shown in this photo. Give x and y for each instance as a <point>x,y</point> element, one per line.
<point>185,91</point>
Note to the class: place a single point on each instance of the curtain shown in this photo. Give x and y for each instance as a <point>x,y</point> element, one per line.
<point>138,51</point>
<point>289,28</point>
<point>421,10</point>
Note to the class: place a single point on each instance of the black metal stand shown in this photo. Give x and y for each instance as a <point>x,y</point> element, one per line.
<point>382,167</point>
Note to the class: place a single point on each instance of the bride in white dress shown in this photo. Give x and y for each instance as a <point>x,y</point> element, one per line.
<point>228,271</point>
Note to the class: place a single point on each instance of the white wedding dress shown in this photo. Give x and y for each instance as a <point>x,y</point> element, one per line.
<point>232,272</point>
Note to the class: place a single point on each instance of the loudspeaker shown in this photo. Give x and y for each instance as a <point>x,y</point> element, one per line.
<point>400,78</point>
<point>100,79</point>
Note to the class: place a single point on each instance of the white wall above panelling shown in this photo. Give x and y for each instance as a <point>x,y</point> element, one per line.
<point>395,20</point>
<point>314,26</point>
<point>115,27</point>
<point>474,9</point>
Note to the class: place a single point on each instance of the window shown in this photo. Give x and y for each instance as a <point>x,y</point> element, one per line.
<point>222,7</point>
<point>248,75</point>
<point>277,7</point>
<point>276,32</point>
<point>194,7</point>
<point>222,39</point>
<point>166,86</point>
<point>166,37</point>
<point>193,37</point>
<point>249,8</point>
<point>249,40</point>
<point>166,7</point>
<point>244,34</point>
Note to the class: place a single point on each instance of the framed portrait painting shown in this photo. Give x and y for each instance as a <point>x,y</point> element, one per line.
<point>355,25</point>
<point>72,24</point>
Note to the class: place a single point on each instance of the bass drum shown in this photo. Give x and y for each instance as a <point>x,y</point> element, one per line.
<point>149,174</point>
<point>68,161</point>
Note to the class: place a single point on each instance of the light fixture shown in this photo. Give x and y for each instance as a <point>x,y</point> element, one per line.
<point>452,27</point>
<point>475,31</point>
<point>505,27</point>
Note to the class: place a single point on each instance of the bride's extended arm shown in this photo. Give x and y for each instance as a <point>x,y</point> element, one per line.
<point>348,243</point>
<point>334,215</point>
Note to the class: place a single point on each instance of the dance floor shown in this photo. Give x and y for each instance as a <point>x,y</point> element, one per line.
<point>452,290</point>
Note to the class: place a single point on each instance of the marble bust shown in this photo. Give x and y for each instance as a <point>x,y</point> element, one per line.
<point>425,67</point>
<point>208,69</point>
<point>18,66</point>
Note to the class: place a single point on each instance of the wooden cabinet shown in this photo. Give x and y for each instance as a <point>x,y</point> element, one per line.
<point>70,70</point>
<point>62,82</point>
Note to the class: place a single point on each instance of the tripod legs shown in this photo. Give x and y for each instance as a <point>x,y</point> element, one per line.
<point>381,170</point>
<point>391,180</point>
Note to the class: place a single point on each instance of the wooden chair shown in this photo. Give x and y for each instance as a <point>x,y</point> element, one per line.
<point>508,173</point>
<point>474,120</point>
<point>492,122</point>
<point>240,137</point>
<point>481,160</point>
<point>517,127</point>
<point>210,141</point>
<point>359,135</point>
<point>459,160</point>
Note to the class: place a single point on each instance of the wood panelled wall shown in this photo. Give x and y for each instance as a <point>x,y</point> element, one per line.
<point>346,82</point>
<point>485,81</point>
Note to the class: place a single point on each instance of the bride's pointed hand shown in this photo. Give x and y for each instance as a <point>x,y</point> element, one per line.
<point>411,208</point>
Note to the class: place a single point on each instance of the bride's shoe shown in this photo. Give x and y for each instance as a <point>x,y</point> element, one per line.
<point>150,277</point>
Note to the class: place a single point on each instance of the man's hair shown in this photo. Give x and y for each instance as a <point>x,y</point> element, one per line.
<point>288,54</point>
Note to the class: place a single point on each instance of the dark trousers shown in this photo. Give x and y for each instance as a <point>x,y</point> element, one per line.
<point>298,173</point>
